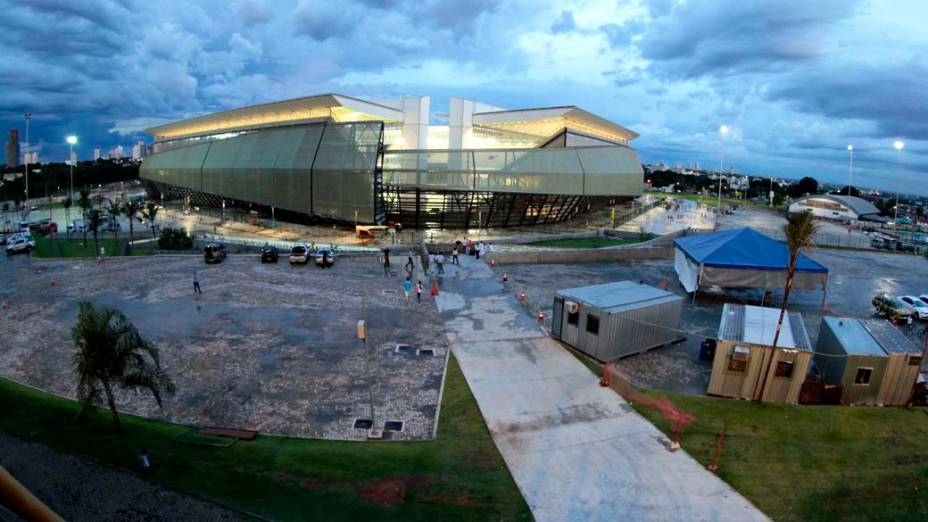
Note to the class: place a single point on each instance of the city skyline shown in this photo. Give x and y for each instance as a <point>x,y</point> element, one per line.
<point>795,82</point>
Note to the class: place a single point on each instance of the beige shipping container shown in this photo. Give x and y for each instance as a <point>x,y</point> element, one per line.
<point>744,353</point>
<point>904,360</point>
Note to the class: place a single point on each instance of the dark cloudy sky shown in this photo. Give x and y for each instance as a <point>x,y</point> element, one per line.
<point>797,80</point>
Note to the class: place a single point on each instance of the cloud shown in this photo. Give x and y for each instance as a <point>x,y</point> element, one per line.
<point>727,37</point>
<point>565,23</point>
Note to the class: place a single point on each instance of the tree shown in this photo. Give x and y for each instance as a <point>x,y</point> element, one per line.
<point>131,210</point>
<point>150,213</point>
<point>800,230</point>
<point>805,186</point>
<point>85,204</point>
<point>111,354</point>
<point>94,218</point>
<point>113,212</point>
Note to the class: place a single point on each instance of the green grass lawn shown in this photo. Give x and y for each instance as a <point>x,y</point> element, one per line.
<point>711,201</point>
<point>584,242</point>
<point>813,462</point>
<point>61,246</point>
<point>458,476</point>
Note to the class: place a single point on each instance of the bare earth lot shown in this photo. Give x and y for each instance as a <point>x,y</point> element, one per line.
<point>854,278</point>
<point>266,347</point>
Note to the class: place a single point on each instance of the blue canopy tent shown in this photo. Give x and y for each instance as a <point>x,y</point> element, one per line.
<point>742,258</point>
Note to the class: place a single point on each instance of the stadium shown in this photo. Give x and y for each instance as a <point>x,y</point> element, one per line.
<point>342,159</point>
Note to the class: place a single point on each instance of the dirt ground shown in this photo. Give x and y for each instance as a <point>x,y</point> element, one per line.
<point>269,347</point>
<point>854,278</point>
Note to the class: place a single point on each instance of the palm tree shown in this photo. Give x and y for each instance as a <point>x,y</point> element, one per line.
<point>110,354</point>
<point>150,213</point>
<point>131,210</point>
<point>113,213</point>
<point>94,218</point>
<point>67,212</point>
<point>85,204</point>
<point>800,230</point>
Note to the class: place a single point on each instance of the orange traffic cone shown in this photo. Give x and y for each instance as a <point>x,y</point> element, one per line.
<point>434,287</point>
<point>541,318</point>
<point>522,296</point>
<point>5,306</point>
<point>53,280</point>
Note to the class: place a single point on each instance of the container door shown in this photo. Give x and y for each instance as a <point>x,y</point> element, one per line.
<point>557,316</point>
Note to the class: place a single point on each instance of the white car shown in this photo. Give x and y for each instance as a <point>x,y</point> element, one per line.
<point>918,307</point>
<point>299,254</point>
<point>20,243</point>
<point>923,298</point>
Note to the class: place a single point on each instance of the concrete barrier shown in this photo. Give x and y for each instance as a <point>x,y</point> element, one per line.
<point>657,248</point>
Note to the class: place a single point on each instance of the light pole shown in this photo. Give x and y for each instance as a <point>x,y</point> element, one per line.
<point>72,140</point>
<point>898,145</point>
<point>850,172</point>
<point>723,130</point>
<point>27,116</point>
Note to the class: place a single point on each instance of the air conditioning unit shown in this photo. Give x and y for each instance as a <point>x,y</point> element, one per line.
<point>571,307</point>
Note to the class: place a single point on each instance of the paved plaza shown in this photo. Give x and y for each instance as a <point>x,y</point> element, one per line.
<point>267,347</point>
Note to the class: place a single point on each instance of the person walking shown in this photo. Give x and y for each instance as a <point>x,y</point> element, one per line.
<point>440,261</point>
<point>479,249</point>
<point>419,291</point>
<point>407,288</point>
<point>468,246</point>
<point>454,255</point>
<point>196,283</point>
<point>386,262</point>
<point>410,264</point>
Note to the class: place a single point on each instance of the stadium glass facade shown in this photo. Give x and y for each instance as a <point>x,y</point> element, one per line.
<point>364,170</point>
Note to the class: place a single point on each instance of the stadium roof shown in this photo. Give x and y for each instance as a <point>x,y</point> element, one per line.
<point>298,110</point>
<point>546,122</point>
<point>859,206</point>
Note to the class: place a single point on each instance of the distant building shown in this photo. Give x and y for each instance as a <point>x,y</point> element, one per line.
<point>831,206</point>
<point>31,157</point>
<point>116,153</point>
<point>138,150</point>
<point>12,148</point>
<point>96,154</point>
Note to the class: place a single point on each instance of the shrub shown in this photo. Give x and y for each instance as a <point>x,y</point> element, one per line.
<point>175,239</point>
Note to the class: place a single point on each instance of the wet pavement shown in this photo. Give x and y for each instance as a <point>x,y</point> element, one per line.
<point>854,278</point>
<point>683,214</point>
<point>269,347</point>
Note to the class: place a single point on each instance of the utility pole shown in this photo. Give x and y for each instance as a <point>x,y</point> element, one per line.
<point>27,116</point>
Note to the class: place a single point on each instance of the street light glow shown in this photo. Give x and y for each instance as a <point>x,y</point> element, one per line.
<point>898,145</point>
<point>850,147</point>
<point>72,140</point>
<point>723,129</point>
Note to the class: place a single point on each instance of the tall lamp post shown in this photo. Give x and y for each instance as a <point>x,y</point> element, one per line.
<point>723,130</point>
<point>27,116</point>
<point>898,145</point>
<point>72,141</point>
<point>850,171</point>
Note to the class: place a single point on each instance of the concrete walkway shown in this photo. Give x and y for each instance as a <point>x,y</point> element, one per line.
<point>577,451</point>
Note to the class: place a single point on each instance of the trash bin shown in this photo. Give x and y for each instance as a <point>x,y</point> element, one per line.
<point>707,350</point>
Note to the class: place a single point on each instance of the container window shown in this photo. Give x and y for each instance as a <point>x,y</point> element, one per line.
<point>784,369</point>
<point>738,361</point>
<point>863,376</point>
<point>592,324</point>
<point>915,360</point>
<point>573,319</point>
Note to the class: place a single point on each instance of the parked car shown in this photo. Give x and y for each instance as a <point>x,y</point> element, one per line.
<point>76,226</point>
<point>923,298</point>
<point>299,254</point>
<point>890,306</point>
<point>268,254</point>
<point>20,243</point>
<point>110,226</point>
<point>214,253</point>
<point>918,307</point>
<point>325,257</point>
<point>45,227</point>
